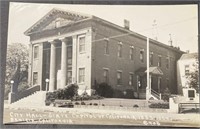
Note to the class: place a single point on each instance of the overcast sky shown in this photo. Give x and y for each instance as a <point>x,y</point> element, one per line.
<point>178,20</point>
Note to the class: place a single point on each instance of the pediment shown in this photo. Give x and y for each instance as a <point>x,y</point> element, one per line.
<point>54,19</point>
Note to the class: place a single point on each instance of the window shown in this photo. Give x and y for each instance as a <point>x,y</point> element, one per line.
<point>81,75</point>
<point>159,60</point>
<point>106,47</point>
<point>151,58</point>
<point>142,55</point>
<point>69,76</point>
<point>82,44</point>
<point>69,55</point>
<point>35,78</point>
<point>36,52</point>
<point>167,62</point>
<point>131,79</point>
<point>119,78</point>
<point>106,75</point>
<point>119,53</point>
<point>187,69</point>
<point>57,24</point>
<point>131,52</point>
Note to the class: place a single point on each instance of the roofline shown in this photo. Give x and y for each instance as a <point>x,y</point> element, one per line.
<point>137,34</point>
<point>54,9</point>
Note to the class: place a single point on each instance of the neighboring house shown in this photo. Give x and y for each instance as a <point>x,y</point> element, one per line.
<point>186,65</point>
<point>68,47</point>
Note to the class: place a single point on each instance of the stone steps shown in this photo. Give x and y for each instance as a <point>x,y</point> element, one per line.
<point>35,99</point>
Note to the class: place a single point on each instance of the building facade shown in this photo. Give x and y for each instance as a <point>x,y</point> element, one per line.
<point>68,47</point>
<point>185,65</point>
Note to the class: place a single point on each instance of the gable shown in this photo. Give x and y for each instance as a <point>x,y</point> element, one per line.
<point>55,18</point>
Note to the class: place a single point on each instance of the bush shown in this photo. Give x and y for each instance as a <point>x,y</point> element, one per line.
<point>95,104</point>
<point>83,103</point>
<point>135,106</point>
<point>77,103</point>
<point>104,90</point>
<point>67,93</point>
<point>103,104</point>
<point>159,105</point>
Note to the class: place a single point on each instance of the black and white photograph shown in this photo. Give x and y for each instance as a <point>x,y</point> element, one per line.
<point>75,64</point>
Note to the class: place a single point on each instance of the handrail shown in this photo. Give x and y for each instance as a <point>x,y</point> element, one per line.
<point>27,92</point>
<point>155,94</point>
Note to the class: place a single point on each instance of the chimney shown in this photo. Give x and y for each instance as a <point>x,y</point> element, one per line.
<point>126,24</point>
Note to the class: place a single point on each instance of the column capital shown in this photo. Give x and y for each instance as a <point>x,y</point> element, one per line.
<point>52,41</point>
<point>64,39</point>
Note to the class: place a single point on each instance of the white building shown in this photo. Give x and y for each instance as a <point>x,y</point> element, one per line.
<point>185,65</point>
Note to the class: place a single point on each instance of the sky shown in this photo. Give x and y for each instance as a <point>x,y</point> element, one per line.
<point>161,21</point>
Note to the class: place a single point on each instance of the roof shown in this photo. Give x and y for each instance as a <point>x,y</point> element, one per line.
<point>152,70</point>
<point>84,17</point>
<point>189,56</point>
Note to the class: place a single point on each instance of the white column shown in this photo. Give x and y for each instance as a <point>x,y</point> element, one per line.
<point>30,63</point>
<point>74,59</point>
<point>64,63</point>
<point>52,78</point>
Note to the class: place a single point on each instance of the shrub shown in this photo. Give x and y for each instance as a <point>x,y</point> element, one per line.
<point>95,104</point>
<point>104,90</point>
<point>67,93</point>
<point>90,104</point>
<point>135,106</point>
<point>83,103</point>
<point>103,104</point>
<point>159,105</point>
<point>77,103</point>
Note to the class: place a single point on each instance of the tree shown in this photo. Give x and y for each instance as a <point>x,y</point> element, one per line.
<point>193,76</point>
<point>16,67</point>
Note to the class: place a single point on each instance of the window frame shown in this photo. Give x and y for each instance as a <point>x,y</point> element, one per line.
<point>151,59</point>
<point>35,81</point>
<point>106,78</point>
<point>131,53</point>
<point>35,52</point>
<point>80,44</point>
<point>106,47</point>
<point>81,78</point>
<point>119,80</point>
<point>159,61</point>
<point>167,63</point>
<point>142,55</point>
<point>187,69</point>
<point>119,49</point>
<point>131,79</point>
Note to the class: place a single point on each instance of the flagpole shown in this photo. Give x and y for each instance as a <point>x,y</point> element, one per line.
<point>148,87</point>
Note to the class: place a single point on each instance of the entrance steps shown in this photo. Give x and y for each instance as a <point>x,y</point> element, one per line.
<point>37,99</point>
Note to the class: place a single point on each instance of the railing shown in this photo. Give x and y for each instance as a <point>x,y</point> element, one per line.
<point>27,92</point>
<point>155,94</point>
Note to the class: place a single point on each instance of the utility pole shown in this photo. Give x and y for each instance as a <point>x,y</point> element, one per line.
<point>148,84</point>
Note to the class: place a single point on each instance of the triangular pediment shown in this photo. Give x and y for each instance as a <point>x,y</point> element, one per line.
<point>56,18</point>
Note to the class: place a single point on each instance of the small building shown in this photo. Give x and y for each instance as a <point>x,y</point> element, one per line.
<point>68,47</point>
<point>185,65</point>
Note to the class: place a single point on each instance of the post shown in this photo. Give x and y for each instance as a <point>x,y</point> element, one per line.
<point>148,87</point>
<point>47,81</point>
<point>12,95</point>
